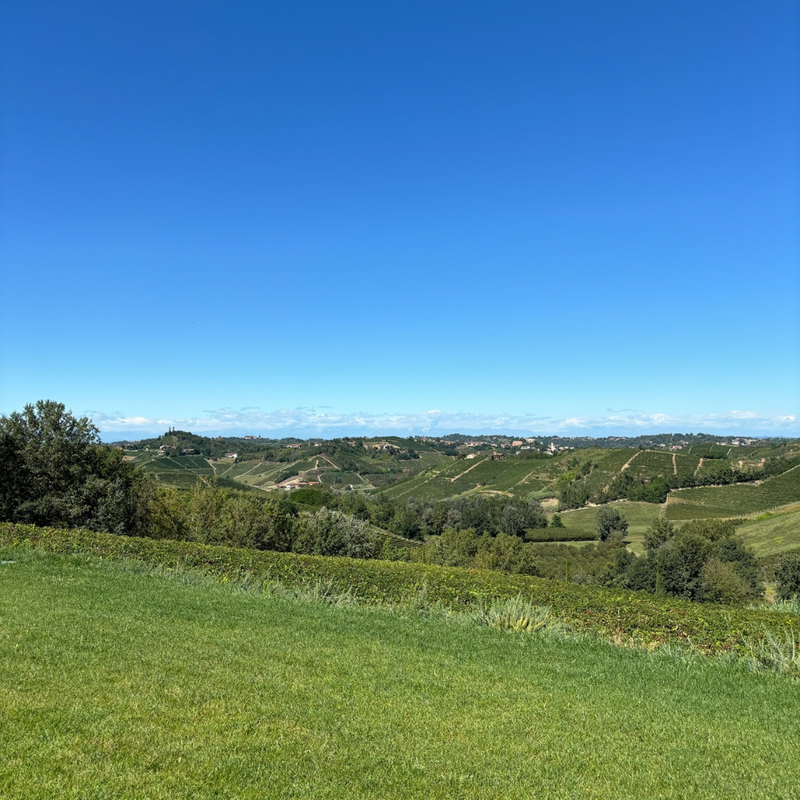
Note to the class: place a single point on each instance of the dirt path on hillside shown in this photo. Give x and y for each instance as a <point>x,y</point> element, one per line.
<point>674,464</point>
<point>525,478</point>
<point>416,486</point>
<point>630,460</point>
<point>453,480</point>
<point>623,468</point>
<point>700,464</point>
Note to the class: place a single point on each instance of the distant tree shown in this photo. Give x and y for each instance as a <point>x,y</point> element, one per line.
<point>704,560</point>
<point>659,532</point>
<point>610,522</point>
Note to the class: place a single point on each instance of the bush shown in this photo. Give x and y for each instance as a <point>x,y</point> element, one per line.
<point>54,470</point>
<point>722,584</point>
<point>635,616</point>
<point>331,533</point>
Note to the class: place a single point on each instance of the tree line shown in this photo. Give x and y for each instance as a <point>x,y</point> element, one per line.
<point>55,471</point>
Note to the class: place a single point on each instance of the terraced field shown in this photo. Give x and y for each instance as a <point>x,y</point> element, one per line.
<point>713,450</point>
<point>608,465</point>
<point>686,465</point>
<point>514,477</point>
<point>652,464</point>
<point>736,500</point>
<point>194,464</point>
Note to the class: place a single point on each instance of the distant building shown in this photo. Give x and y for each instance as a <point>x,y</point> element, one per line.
<point>230,455</point>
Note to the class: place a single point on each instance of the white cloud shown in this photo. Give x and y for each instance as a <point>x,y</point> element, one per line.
<point>312,422</point>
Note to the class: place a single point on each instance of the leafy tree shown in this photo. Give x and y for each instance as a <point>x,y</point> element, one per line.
<point>788,576</point>
<point>331,533</point>
<point>703,560</point>
<point>610,522</point>
<point>660,531</point>
<point>54,470</point>
<point>723,584</point>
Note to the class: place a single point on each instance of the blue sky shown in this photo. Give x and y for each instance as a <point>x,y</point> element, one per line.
<point>336,218</point>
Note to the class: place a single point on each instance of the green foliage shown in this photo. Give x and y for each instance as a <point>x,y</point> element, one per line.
<point>788,576</point>
<point>777,652</point>
<point>660,532</point>
<point>703,561</point>
<point>55,471</point>
<point>331,533</point>
<point>558,533</point>
<point>612,612</point>
<point>610,523</point>
<point>733,501</point>
<point>514,614</point>
<point>721,583</point>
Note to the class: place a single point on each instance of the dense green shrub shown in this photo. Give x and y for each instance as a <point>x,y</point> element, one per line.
<point>634,616</point>
<point>703,561</point>
<point>610,523</point>
<point>54,470</point>
<point>329,532</point>
<point>787,575</point>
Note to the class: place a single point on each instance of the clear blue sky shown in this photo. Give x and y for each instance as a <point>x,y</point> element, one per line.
<point>339,217</point>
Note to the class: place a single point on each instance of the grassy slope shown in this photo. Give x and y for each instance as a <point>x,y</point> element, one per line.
<point>118,684</point>
<point>775,534</point>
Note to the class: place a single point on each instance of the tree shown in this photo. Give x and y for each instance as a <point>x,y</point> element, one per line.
<point>54,470</point>
<point>704,560</point>
<point>660,531</point>
<point>788,576</point>
<point>609,523</point>
<point>331,533</point>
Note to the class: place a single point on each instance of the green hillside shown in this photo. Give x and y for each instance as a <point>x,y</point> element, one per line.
<point>428,470</point>
<point>773,533</point>
<point>129,683</point>
<point>735,500</point>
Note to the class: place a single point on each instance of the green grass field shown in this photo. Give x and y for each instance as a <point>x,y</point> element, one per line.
<point>640,516</point>
<point>736,499</point>
<point>118,682</point>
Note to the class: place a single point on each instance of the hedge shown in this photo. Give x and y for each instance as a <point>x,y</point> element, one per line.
<point>627,616</point>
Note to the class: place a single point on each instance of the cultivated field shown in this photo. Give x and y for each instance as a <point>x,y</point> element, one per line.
<point>734,500</point>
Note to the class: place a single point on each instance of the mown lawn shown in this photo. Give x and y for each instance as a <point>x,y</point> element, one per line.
<point>119,683</point>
